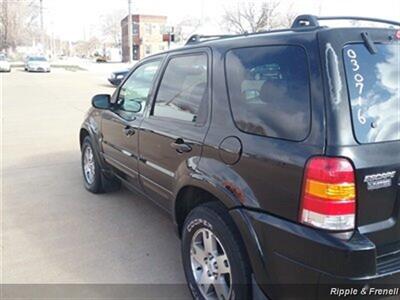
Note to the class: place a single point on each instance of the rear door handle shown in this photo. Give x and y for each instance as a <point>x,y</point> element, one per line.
<point>129,131</point>
<point>180,146</point>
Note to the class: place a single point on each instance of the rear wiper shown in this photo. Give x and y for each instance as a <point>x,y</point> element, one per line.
<point>369,43</point>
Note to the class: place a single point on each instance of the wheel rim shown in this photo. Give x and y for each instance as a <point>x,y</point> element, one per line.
<point>210,265</point>
<point>89,165</point>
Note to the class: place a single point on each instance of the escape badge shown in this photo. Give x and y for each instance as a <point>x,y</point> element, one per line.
<point>379,181</point>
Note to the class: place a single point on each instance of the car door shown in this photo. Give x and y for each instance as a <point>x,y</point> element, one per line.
<point>121,123</point>
<point>175,129</point>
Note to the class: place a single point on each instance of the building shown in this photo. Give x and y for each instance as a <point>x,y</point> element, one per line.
<point>147,34</point>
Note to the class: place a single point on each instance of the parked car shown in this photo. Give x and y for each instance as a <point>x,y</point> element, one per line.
<point>101,59</point>
<point>37,64</point>
<point>117,77</point>
<point>277,155</point>
<point>5,66</point>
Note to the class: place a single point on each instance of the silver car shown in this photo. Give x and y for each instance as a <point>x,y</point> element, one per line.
<point>37,64</point>
<point>4,64</point>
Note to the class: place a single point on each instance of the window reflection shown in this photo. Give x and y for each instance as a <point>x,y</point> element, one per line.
<point>374,87</point>
<point>183,90</point>
<point>269,90</point>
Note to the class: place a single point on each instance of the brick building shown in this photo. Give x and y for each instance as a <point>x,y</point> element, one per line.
<point>147,34</point>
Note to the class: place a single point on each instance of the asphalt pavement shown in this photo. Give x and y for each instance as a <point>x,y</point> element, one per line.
<point>52,229</point>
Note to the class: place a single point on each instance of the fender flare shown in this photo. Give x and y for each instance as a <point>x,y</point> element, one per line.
<point>235,209</point>
<point>207,184</point>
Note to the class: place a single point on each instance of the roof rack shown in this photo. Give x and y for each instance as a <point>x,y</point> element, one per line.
<point>197,38</point>
<point>313,21</point>
<point>301,23</point>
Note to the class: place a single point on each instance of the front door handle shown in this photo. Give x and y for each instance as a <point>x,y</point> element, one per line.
<point>129,131</point>
<point>180,146</point>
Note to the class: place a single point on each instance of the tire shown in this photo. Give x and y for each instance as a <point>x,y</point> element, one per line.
<point>97,182</point>
<point>212,222</point>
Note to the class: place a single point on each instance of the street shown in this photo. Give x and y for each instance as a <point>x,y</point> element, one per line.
<point>53,230</point>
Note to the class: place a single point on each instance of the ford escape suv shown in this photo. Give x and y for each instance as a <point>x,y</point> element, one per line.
<point>276,153</point>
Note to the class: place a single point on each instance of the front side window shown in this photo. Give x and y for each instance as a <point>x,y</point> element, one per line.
<point>183,90</point>
<point>137,87</point>
<point>373,82</point>
<point>269,91</point>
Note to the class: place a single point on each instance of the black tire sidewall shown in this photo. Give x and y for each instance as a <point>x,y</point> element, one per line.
<point>204,217</point>
<point>96,186</point>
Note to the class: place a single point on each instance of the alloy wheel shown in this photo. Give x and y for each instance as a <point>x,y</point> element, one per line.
<point>89,165</point>
<point>210,265</point>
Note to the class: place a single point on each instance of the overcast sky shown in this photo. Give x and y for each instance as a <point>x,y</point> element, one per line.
<point>69,19</point>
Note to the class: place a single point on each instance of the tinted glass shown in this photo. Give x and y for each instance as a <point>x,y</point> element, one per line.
<point>374,86</point>
<point>38,58</point>
<point>138,86</point>
<point>183,91</point>
<point>269,91</point>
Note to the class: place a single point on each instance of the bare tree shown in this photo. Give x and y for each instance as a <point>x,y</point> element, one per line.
<point>87,48</point>
<point>18,23</point>
<point>286,18</point>
<point>186,27</point>
<point>111,26</point>
<point>250,16</point>
<point>254,16</point>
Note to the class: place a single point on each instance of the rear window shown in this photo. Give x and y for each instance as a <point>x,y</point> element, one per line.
<point>374,87</point>
<point>37,58</point>
<point>269,91</point>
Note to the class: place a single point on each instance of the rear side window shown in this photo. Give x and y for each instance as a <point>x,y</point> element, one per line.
<point>374,87</point>
<point>269,91</point>
<point>183,92</point>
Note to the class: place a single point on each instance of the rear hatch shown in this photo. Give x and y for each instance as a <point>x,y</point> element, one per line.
<point>363,113</point>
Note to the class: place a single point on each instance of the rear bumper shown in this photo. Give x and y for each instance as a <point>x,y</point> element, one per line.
<point>293,261</point>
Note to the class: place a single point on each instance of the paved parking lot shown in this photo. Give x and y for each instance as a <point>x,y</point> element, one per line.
<point>53,231</point>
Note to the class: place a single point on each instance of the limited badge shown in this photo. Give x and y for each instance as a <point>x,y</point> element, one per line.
<point>379,181</point>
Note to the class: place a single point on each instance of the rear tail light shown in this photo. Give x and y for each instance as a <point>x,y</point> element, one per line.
<point>329,195</point>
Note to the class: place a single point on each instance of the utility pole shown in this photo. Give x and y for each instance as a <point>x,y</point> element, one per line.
<point>41,25</point>
<point>130,40</point>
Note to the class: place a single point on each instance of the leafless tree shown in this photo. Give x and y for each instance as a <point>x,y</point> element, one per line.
<point>186,27</point>
<point>286,18</point>
<point>254,16</point>
<point>87,48</point>
<point>18,23</point>
<point>111,26</point>
<point>250,16</point>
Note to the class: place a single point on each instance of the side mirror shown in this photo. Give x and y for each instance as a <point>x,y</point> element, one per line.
<point>101,101</point>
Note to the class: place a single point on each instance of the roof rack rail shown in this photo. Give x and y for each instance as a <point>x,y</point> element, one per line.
<point>313,21</point>
<point>197,38</point>
<point>301,23</point>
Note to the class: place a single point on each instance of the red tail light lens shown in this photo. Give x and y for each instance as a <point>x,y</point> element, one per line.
<point>329,195</point>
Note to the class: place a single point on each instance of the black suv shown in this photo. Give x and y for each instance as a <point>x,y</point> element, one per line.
<point>276,153</point>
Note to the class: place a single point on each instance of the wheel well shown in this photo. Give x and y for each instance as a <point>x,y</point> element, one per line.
<point>188,198</point>
<point>82,134</point>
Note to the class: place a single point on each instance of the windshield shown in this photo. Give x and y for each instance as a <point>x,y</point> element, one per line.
<point>37,59</point>
<point>374,86</point>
